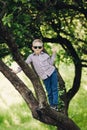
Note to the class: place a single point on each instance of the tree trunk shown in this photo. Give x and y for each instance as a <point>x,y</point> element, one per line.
<point>37,104</point>
<point>46,114</point>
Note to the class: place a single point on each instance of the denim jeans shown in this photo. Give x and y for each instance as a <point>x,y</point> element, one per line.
<point>51,84</point>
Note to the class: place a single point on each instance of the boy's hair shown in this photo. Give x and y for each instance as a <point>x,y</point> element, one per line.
<point>37,40</point>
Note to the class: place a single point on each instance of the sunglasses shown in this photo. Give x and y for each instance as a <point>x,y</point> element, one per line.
<point>37,47</point>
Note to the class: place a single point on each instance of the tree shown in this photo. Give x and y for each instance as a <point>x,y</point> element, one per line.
<point>54,22</point>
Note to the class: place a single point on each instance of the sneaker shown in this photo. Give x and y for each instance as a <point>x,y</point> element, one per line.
<point>54,108</point>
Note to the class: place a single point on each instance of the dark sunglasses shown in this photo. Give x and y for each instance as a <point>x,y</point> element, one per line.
<point>37,47</point>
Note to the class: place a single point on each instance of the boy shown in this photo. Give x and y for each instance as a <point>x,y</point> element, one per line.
<point>43,65</point>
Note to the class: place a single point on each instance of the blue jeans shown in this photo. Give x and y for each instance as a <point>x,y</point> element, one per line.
<point>51,84</point>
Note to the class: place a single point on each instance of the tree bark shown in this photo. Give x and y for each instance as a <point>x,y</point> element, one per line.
<point>66,44</point>
<point>39,91</point>
<point>46,114</point>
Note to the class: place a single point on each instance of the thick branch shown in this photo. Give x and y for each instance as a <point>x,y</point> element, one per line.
<point>78,68</point>
<point>77,62</point>
<point>45,115</point>
<point>41,96</point>
<point>59,5</point>
<point>62,121</point>
<point>62,5</point>
<point>19,86</point>
<point>50,116</point>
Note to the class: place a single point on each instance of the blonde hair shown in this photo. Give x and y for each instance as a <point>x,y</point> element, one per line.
<point>37,40</point>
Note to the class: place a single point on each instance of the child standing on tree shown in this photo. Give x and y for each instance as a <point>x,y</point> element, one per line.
<point>43,65</point>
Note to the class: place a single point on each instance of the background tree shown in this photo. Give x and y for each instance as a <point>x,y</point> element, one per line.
<point>55,22</point>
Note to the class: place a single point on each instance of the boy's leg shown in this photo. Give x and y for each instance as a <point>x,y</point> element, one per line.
<point>54,86</point>
<point>49,90</point>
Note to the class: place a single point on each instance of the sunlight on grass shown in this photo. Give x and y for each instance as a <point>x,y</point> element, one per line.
<point>8,94</point>
<point>78,106</point>
<point>14,113</point>
<point>67,73</point>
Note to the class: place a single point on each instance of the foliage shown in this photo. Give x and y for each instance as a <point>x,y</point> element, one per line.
<point>46,19</point>
<point>59,23</point>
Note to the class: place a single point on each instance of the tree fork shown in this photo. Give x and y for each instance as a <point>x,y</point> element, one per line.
<point>49,116</point>
<point>40,93</point>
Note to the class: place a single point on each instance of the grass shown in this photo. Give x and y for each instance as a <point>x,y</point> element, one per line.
<point>19,117</point>
<point>78,106</point>
<point>15,115</point>
<point>78,109</point>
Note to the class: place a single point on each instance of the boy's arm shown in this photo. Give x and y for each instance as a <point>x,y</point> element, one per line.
<point>51,60</point>
<point>29,59</point>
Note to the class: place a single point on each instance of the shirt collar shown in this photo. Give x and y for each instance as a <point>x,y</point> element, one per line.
<point>39,54</point>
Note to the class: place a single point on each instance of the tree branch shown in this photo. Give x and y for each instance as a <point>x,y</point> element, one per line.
<point>78,68</point>
<point>40,93</point>
<point>46,115</point>
<point>61,5</point>
<point>3,5</point>
<point>77,63</point>
<point>19,86</point>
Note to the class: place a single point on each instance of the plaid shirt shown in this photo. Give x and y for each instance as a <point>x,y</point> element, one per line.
<point>43,64</point>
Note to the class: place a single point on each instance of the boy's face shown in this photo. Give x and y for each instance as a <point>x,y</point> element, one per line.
<point>37,47</point>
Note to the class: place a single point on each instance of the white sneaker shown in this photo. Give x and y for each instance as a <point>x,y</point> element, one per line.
<point>54,108</point>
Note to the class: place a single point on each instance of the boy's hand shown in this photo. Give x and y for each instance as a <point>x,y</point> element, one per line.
<point>54,50</point>
<point>14,71</point>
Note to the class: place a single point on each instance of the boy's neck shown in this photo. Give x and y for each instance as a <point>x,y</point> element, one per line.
<point>37,53</point>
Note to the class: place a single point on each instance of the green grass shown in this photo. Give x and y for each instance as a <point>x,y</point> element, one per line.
<point>78,109</point>
<point>78,105</point>
<point>18,117</point>
<point>15,115</point>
